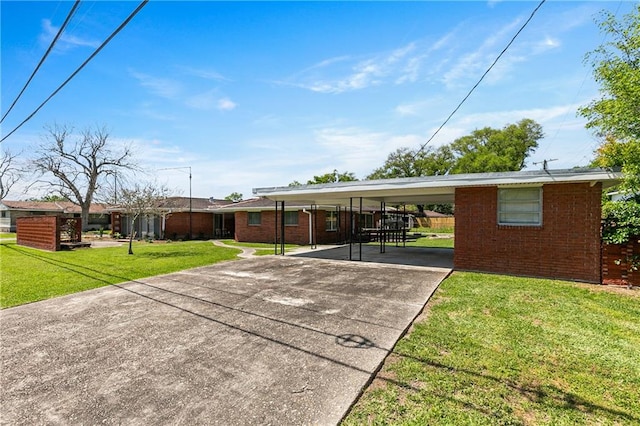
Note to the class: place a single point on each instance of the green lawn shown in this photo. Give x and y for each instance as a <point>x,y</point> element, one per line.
<point>431,242</point>
<point>497,350</point>
<point>29,275</point>
<point>4,235</point>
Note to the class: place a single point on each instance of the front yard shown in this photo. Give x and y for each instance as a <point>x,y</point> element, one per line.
<point>29,275</point>
<point>493,349</point>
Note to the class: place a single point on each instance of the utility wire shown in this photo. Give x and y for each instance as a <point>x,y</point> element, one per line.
<point>53,43</point>
<point>104,43</point>
<point>423,146</point>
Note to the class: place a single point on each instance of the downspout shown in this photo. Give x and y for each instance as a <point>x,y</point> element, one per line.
<point>310,229</point>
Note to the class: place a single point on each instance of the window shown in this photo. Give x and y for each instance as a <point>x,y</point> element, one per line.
<point>291,218</point>
<point>366,220</point>
<point>331,221</point>
<point>254,218</point>
<point>520,206</point>
<point>3,213</point>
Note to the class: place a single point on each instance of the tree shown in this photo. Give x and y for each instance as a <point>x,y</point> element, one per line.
<point>234,196</point>
<point>407,162</point>
<point>141,200</point>
<point>75,169</point>
<point>615,116</point>
<point>332,177</point>
<point>9,173</point>
<point>49,198</point>
<point>496,150</point>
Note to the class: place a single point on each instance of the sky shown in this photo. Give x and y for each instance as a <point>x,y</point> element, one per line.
<point>261,94</point>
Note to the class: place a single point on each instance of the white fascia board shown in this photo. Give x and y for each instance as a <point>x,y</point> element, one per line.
<point>432,185</point>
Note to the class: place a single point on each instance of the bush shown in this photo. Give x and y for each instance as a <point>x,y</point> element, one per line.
<point>620,221</point>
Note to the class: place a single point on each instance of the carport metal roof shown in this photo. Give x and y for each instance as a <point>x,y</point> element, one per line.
<point>428,189</point>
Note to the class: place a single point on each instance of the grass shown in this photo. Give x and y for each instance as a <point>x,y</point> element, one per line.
<point>29,275</point>
<point>445,230</point>
<point>431,242</point>
<point>5,235</point>
<point>257,245</point>
<point>497,350</point>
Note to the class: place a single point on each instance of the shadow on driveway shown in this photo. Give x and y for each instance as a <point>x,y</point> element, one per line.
<point>280,340</point>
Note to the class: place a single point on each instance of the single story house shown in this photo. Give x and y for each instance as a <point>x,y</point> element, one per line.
<point>543,223</point>
<point>179,218</point>
<point>99,217</point>
<point>256,220</point>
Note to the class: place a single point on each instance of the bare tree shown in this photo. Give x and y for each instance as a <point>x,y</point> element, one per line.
<point>10,173</point>
<point>75,167</point>
<point>141,200</point>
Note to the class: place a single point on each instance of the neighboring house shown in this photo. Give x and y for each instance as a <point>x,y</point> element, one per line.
<point>179,218</point>
<point>99,217</point>
<point>255,221</point>
<point>542,223</point>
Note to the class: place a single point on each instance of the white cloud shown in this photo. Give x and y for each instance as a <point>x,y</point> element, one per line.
<point>66,41</point>
<point>398,65</point>
<point>203,73</point>
<point>163,87</point>
<point>226,104</point>
<point>472,65</point>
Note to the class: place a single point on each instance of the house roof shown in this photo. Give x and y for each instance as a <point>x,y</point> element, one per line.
<point>52,206</point>
<point>261,203</point>
<point>428,189</point>
<point>197,204</point>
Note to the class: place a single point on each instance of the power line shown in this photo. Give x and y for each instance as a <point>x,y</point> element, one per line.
<point>53,42</point>
<point>104,43</point>
<point>481,78</point>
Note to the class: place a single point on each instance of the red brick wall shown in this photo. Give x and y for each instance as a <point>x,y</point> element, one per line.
<point>615,263</point>
<point>294,234</point>
<point>177,225</point>
<point>566,245</point>
<point>41,232</point>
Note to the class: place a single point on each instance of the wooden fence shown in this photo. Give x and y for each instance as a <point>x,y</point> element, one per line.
<point>436,222</point>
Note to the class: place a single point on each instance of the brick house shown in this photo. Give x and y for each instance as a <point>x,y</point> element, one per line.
<point>256,220</point>
<point>180,218</point>
<point>542,223</point>
<point>99,216</point>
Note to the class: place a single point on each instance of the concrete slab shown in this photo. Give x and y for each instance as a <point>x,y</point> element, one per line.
<point>269,340</point>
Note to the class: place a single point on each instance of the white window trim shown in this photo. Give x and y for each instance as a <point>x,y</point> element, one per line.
<point>331,221</point>
<point>500,211</point>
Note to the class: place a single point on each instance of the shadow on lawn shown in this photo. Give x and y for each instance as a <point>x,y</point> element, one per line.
<point>541,394</point>
<point>546,395</point>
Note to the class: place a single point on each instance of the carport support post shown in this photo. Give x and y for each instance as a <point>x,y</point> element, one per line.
<point>315,226</point>
<point>350,227</point>
<point>360,229</point>
<point>275,235</point>
<point>383,223</point>
<point>282,229</point>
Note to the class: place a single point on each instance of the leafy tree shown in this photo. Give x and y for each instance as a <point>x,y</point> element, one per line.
<point>616,67</point>
<point>75,169</point>
<point>49,198</point>
<point>332,177</point>
<point>615,116</point>
<point>496,150</point>
<point>407,162</point>
<point>141,200</point>
<point>234,196</point>
<point>9,172</point>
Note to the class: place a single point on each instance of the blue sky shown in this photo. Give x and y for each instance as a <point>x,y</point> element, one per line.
<point>261,94</point>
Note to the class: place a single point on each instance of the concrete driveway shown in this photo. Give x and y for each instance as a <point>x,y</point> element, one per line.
<point>270,340</point>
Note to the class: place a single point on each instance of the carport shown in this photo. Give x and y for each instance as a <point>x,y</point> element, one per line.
<point>542,223</point>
